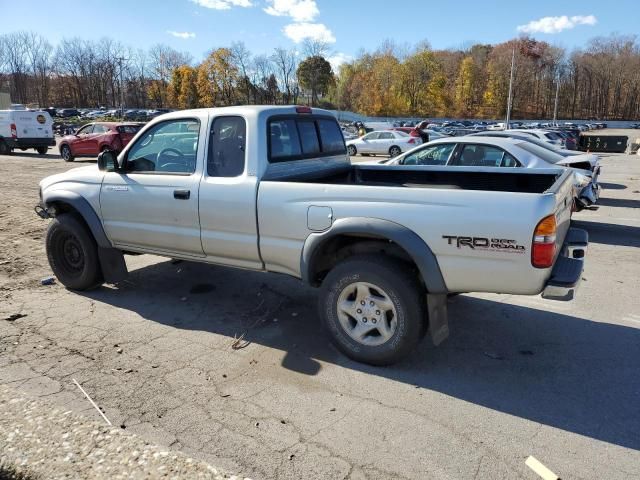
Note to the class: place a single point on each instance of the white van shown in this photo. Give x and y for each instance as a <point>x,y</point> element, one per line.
<point>25,129</point>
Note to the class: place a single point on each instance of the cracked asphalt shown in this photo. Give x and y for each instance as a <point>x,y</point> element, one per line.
<point>231,367</point>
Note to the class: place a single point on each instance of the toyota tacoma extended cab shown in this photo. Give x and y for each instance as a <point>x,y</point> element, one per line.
<point>273,189</point>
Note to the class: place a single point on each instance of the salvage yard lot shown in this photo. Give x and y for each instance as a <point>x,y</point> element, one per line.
<point>518,376</point>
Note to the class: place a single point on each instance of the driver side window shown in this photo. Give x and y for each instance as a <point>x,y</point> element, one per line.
<point>168,147</point>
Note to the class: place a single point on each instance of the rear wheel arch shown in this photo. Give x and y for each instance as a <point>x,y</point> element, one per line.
<point>357,236</point>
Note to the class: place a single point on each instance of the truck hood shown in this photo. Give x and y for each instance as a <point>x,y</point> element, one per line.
<point>89,174</point>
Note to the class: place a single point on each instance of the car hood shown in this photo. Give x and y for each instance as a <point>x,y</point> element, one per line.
<point>88,175</point>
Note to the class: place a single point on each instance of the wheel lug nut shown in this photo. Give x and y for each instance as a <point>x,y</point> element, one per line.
<point>377,312</point>
<point>373,320</point>
<point>371,303</point>
<point>362,302</point>
<point>364,319</point>
<point>359,311</point>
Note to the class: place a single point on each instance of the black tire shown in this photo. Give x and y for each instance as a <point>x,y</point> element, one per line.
<point>42,150</point>
<point>394,151</point>
<point>352,150</point>
<point>400,286</point>
<point>65,153</point>
<point>4,148</point>
<point>73,253</point>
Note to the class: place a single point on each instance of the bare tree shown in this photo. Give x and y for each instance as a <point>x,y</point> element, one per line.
<point>285,63</point>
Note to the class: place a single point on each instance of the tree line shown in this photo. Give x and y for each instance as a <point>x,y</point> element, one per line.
<point>600,80</point>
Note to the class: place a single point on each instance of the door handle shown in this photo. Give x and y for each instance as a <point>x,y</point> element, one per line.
<point>182,194</point>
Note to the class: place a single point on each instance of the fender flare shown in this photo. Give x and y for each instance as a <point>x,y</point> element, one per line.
<point>417,249</point>
<point>114,268</point>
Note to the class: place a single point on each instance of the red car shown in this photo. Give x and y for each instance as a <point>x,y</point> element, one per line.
<point>97,137</point>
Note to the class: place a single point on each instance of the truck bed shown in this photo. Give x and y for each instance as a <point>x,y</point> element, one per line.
<point>460,178</point>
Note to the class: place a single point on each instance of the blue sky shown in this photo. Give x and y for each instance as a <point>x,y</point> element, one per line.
<point>197,26</point>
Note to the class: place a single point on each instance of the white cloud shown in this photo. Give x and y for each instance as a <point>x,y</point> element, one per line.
<point>299,32</point>
<point>338,59</point>
<point>183,35</point>
<point>557,24</point>
<point>298,10</point>
<point>223,4</point>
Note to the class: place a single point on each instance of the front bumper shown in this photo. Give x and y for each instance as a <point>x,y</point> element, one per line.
<point>588,196</point>
<point>567,271</point>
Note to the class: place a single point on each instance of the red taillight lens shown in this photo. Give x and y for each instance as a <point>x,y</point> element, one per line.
<point>413,133</point>
<point>303,109</point>
<point>14,131</point>
<point>543,247</point>
<point>411,140</point>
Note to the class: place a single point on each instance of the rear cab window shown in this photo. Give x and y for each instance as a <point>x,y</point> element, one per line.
<point>295,137</point>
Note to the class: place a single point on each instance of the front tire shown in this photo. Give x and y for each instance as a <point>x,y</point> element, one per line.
<point>65,152</point>
<point>352,151</point>
<point>72,253</point>
<point>373,308</point>
<point>42,150</point>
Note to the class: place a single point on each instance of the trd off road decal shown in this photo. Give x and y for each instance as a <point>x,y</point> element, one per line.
<point>483,243</point>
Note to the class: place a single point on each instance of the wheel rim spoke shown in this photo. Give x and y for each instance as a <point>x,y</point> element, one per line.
<point>366,313</point>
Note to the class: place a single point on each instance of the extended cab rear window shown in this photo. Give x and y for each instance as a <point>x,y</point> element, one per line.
<point>297,138</point>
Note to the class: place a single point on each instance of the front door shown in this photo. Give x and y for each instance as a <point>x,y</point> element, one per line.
<point>153,204</point>
<point>81,142</point>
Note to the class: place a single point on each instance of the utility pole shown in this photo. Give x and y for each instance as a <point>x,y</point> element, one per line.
<point>509,100</point>
<point>555,104</point>
<point>120,60</point>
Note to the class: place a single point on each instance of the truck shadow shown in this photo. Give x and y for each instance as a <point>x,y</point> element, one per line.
<point>551,368</point>
<point>610,233</point>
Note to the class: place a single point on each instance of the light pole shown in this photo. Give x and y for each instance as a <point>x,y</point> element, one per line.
<point>120,60</point>
<point>555,103</point>
<point>510,99</point>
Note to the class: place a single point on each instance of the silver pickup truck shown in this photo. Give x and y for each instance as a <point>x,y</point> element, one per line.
<point>272,189</point>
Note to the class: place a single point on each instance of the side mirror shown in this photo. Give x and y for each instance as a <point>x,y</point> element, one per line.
<point>107,161</point>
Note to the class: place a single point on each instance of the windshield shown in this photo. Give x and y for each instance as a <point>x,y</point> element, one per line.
<point>543,153</point>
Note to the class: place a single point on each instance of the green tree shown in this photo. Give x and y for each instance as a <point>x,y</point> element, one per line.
<point>316,76</point>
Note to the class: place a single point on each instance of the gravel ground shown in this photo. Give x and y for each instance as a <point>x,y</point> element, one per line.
<point>39,440</point>
<point>519,376</point>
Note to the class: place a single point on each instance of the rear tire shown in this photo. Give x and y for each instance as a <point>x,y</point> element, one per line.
<point>352,151</point>
<point>42,150</point>
<point>4,148</point>
<point>65,152</point>
<point>389,324</point>
<point>394,151</point>
<point>72,253</point>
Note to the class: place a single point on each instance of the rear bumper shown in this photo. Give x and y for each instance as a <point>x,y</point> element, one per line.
<point>30,142</point>
<point>567,271</point>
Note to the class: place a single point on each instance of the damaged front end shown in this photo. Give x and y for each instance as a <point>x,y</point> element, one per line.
<point>587,190</point>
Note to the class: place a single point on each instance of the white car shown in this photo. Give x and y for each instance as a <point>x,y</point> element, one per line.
<point>545,135</point>
<point>384,142</point>
<point>477,151</point>
<point>22,129</point>
<point>560,156</point>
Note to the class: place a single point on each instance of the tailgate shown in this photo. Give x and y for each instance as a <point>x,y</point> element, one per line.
<point>127,132</point>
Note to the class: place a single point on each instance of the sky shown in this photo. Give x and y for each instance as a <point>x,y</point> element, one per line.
<point>198,26</point>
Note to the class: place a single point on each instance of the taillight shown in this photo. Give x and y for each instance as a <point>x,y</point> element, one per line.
<point>303,109</point>
<point>14,131</point>
<point>411,140</point>
<point>413,133</point>
<point>543,248</point>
